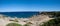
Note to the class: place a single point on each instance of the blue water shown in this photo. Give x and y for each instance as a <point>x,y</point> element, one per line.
<point>20,14</point>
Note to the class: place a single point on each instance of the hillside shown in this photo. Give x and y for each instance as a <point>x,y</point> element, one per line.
<point>33,21</point>
<point>52,22</point>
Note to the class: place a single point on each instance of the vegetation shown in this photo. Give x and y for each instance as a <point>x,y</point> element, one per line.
<point>57,14</point>
<point>26,25</point>
<point>53,22</point>
<point>13,24</point>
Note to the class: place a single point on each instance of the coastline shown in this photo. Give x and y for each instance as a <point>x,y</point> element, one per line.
<point>35,20</point>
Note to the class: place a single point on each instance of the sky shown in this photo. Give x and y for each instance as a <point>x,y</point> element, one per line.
<point>29,5</point>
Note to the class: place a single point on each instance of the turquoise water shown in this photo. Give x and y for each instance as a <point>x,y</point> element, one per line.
<point>20,14</point>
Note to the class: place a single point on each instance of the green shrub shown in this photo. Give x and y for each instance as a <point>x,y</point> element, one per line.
<point>26,25</point>
<point>53,22</point>
<point>13,24</point>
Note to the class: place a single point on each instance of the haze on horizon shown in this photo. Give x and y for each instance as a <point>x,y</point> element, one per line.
<point>29,5</point>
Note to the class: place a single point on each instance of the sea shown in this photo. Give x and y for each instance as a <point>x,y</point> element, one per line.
<point>19,14</point>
